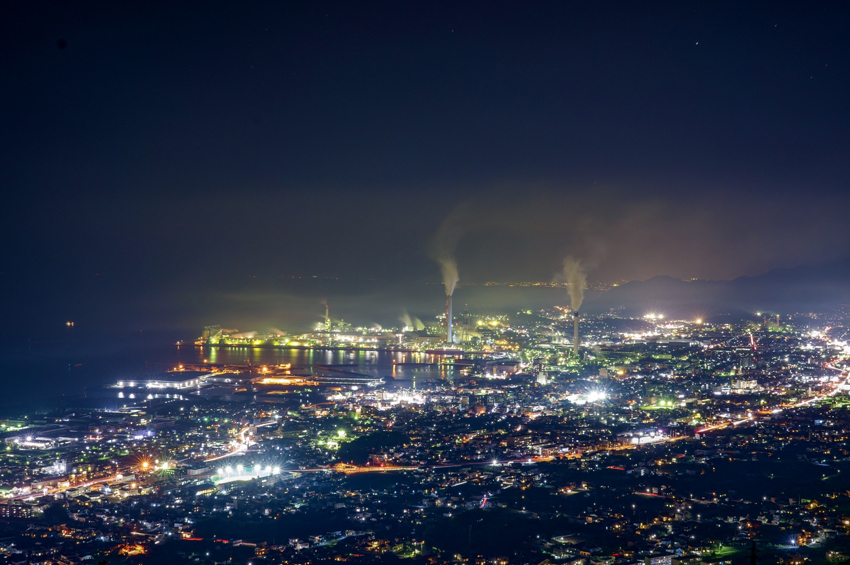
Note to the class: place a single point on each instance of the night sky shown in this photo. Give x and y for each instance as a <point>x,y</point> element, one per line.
<point>168,166</point>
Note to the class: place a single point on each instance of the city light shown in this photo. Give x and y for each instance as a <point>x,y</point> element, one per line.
<point>242,473</point>
<point>418,283</point>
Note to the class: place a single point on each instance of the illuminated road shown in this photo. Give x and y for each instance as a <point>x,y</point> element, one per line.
<point>240,448</point>
<point>353,469</point>
<point>35,493</point>
<point>806,402</point>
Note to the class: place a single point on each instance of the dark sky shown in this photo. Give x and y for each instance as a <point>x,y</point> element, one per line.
<point>165,165</point>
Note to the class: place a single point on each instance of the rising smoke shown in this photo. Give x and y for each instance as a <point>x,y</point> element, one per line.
<point>576,279</point>
<point>411,322</point>
<point>444,244</point>
<point>448,266</point>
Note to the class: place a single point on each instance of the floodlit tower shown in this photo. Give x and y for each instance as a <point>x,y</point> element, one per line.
<point>449,318</point>
<point>576,338</point>
<point>328,325</point>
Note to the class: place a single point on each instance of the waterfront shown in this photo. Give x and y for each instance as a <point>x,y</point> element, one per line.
<point>65,369</point>
<point>401,365</point>
<point>675,439</point>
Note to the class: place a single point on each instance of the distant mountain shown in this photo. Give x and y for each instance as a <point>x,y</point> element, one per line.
<point>806,288</point>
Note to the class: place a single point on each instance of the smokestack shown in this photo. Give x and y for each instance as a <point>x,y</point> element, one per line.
<point>449,318</point>
<point>328,325</point>
<point>576,338</point>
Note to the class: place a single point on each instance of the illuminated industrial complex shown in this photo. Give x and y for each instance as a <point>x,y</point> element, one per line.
<point>616,445</point>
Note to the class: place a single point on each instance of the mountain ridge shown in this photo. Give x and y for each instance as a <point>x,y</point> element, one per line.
<point>816,287</point>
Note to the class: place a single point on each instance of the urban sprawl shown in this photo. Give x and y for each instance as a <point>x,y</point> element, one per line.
<point>651,440</point>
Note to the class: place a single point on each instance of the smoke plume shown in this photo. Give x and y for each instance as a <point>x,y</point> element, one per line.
<point>411,322</point>
<point>576,279</point>
<point>417,324</point>
<point>444,244</point>
<point>448,266</point>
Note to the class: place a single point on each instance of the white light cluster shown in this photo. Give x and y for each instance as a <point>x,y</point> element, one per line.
<point>588,397</point>
<point>240,473</point>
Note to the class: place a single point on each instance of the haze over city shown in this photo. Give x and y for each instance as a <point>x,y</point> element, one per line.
<point>469,283</point>
<point>166,165</point>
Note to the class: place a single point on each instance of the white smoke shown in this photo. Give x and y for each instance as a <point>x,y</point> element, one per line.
<point>411,322</point>
<point>444,244</point>
<point>576,279</point>
<point>448,266</point>
<point>244,335</point>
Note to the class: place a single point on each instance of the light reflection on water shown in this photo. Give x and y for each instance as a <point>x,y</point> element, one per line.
<point>40,376</point>
<point>408,365</point>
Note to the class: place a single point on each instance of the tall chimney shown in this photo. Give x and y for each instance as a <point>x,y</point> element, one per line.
<point>328,325</point>
<point>576,338</point>
<point>449,318</point>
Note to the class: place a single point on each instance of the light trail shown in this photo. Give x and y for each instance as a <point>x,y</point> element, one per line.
<point>57,490</point>
<point>239,450</point>
<point>354,469</point>
<point>802,403</point>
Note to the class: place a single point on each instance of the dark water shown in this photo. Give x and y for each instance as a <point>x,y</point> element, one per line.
<point>402,366</point>
<point>38,375</point>
<point>107,345</point>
